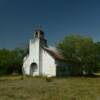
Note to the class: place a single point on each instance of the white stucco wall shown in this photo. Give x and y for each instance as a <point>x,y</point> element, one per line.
<point>45,62</point>
<point>48,64</point>
<point>33,57</point>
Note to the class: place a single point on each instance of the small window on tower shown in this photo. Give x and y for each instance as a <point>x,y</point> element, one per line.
<point>41,34</point>
<point>36,34</point>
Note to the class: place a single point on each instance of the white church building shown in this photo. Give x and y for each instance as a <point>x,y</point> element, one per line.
<point>42,60</point>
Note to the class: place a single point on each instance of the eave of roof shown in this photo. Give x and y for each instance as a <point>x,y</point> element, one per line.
<point>53,53</point>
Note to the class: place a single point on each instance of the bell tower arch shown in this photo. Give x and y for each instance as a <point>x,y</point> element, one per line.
<point>39,34</point>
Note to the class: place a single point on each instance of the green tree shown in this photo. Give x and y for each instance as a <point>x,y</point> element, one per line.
<point>11,60</point>
<point>80,53</point>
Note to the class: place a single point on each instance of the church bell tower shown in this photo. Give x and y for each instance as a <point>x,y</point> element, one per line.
<point>36,47</point>
<point>39,34</point>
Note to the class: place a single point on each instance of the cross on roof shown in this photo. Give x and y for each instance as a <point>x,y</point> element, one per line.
<point>38,27</point>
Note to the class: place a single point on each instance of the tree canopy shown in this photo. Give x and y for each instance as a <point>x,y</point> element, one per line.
<point>11,60</point>
<point>81,53</point>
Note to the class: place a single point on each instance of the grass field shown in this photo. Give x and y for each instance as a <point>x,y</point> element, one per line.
<point>70,88</point>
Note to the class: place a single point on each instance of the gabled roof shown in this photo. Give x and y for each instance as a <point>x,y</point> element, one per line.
<point>53,53</point>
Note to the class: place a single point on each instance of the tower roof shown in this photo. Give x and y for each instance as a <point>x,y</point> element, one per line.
<point>39,28</point>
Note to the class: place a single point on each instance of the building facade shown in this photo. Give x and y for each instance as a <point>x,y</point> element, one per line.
<point>41,60</point>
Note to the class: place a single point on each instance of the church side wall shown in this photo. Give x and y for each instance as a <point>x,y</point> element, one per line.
<point>48,64</point>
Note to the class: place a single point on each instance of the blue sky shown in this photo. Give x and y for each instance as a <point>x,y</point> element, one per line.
<point>18,18</point>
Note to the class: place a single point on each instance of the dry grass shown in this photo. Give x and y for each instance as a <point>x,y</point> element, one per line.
<point>71,88</point>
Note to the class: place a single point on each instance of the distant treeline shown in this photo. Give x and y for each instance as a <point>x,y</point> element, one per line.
<point>11,60</point>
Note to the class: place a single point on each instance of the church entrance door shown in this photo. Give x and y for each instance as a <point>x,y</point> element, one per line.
<point>33,68</point>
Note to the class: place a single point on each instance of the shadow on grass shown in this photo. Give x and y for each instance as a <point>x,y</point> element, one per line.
<point>79,76</point>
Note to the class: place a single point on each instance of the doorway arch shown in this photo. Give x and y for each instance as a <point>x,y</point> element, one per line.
<point>33,68</point>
